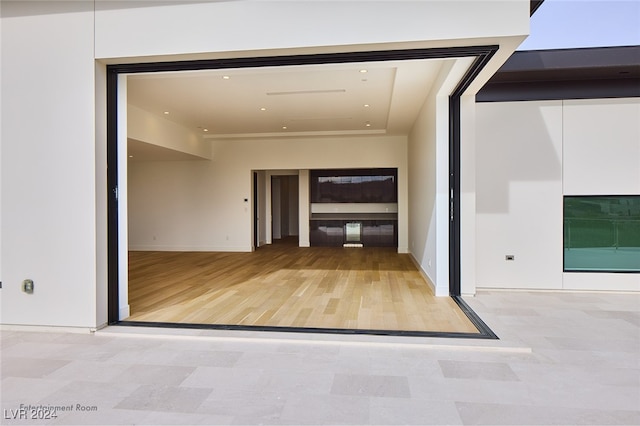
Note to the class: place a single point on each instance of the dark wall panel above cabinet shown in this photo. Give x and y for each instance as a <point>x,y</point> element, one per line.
<point>354,186</point>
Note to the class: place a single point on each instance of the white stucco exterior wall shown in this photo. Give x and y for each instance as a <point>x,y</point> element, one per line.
<point>531,154</point>
<point>48,163</point>
<point>221,28</point>
<point>52,106</point>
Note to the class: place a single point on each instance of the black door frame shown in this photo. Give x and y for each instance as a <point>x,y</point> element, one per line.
<point>482,56</point>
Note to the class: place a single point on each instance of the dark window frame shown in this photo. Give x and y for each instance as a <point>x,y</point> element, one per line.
<point>482,55</point>
<point>564,218</point>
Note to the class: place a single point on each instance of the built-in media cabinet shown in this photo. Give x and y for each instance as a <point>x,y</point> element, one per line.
<point>357,207</point>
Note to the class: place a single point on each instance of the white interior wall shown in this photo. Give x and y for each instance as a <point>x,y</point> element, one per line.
<point>422,167</point>
<point>428,177</point>
<point>150,128</point>
<point>198,205</point>
<point>527,152</point>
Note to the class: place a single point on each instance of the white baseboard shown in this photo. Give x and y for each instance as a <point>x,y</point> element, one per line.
<point>143,247</point>
<point>124,312</point>
<point>423,273</point>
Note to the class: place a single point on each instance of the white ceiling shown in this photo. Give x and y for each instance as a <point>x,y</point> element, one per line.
<point>328,99</point>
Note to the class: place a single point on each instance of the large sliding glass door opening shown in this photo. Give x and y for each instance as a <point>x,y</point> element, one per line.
<point>312,269</point>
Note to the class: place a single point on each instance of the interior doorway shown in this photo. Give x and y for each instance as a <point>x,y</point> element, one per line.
<point>285,216</point>
<point>256,212</point>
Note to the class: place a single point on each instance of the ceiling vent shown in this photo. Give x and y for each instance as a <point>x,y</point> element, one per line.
<point>306,92</point>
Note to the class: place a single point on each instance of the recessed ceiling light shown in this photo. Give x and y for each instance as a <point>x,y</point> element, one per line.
<point>263,109</point>
<point>131,156</point>
<point>284,127</point>
<point>366,105</point>
<point>166,113</point>
<point>225,77</point>
<point>368,124</point>
<point>205,130</point>
<point>363,71</point>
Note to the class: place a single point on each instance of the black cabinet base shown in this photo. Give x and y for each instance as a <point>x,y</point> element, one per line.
<point>374,233</point>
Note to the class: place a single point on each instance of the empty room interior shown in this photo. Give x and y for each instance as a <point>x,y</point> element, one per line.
<point>280,197</point>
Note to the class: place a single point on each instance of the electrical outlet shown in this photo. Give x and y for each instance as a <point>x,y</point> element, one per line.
<point>509,257</point>
<point>27,286</point>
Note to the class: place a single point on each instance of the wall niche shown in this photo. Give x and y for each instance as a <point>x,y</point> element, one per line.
<point>354,207</point>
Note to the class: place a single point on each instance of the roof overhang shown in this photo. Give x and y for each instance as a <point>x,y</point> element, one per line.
<point>601,72</point>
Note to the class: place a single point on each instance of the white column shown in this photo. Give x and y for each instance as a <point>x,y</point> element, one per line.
<point>303,209</point>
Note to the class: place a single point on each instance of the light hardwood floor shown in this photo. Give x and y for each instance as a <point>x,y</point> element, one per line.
<point>287,286</point>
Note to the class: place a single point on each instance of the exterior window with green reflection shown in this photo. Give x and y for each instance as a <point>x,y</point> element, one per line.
<point>602,233</point>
